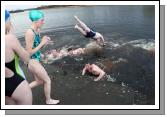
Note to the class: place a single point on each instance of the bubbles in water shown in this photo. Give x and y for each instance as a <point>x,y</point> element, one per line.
<point>143,43</point>
<point>123,84</point>
<point>120,60</point>
<point>79,59</point>
<point>76,77</point>
<point>111,79</point>
<point>107,93</point>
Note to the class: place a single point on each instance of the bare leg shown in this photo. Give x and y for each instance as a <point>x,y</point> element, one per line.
<point>41,74</point>
<point>22,94</point>
<point>80,30</point>
<point>83,25</point>
<point>35,83</point>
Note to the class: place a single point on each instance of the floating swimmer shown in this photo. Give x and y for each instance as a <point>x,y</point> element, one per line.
<point>55,54</point>
<point>88,33</point>
<point>76,52</point>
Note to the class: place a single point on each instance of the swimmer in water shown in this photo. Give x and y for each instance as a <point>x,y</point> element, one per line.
<point>95,70</point>
<point>76,51</point>
<point>88,33</point>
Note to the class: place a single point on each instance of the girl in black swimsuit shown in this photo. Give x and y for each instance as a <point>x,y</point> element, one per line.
<point>17,90</point>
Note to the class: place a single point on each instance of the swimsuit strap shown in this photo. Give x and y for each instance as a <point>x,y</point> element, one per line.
<point>15,67</point>
<point>34,31</point>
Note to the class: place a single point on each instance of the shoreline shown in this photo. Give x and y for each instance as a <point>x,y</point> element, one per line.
<point>47,7</point>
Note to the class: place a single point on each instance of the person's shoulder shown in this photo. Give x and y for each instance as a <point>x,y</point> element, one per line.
<point>10,37</point>
<point>29,32</point>
<point>12,40</point>
<point>93,65</point>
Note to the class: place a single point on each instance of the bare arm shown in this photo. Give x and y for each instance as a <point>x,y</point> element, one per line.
<point>102,38</point>
<point>84,71</point>
<point>29,37</point>
<point>102,73</point>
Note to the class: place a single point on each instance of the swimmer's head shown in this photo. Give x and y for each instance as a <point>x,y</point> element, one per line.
<point>7,15</point>
<point>36,15</point>
<point>70,49</point>
<point>7,22</point>
<point>87,65</point>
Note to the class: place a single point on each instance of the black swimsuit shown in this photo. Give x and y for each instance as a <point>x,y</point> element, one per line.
<point>90,34</point>
<point>13,82</point>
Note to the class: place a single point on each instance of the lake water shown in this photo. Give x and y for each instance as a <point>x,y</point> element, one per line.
<point>126,26</point>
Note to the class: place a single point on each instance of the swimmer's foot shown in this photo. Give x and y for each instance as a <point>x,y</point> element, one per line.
<point>75,17</point>
<point>76,26</point>
<point>52,101</point>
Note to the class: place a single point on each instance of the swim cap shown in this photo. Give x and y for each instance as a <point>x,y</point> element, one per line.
<point>35,15</point>
<point>7,15</point>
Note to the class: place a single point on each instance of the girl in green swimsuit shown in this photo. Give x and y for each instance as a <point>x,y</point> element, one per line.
<point>33,45</point>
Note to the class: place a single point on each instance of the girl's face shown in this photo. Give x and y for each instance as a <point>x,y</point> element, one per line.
<point>40,22</point>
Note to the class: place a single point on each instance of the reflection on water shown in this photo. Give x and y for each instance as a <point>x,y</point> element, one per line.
<point>129,32</point>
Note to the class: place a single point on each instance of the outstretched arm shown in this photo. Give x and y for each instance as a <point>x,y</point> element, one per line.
<point>102,40</point>
<point>84,71</point>
<point>100,76</point>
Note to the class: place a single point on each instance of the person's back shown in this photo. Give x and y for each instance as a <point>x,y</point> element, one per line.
<point>96,70</point>
<point>17,90</point>
<point>8,48</point>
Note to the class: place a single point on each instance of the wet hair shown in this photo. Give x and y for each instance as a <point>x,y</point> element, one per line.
<point>69,49</point>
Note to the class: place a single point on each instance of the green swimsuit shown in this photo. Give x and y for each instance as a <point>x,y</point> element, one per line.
<point>37,41</point>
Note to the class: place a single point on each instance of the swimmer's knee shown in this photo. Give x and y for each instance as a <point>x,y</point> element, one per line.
<point>40,82</point>
<point>47,81</point>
